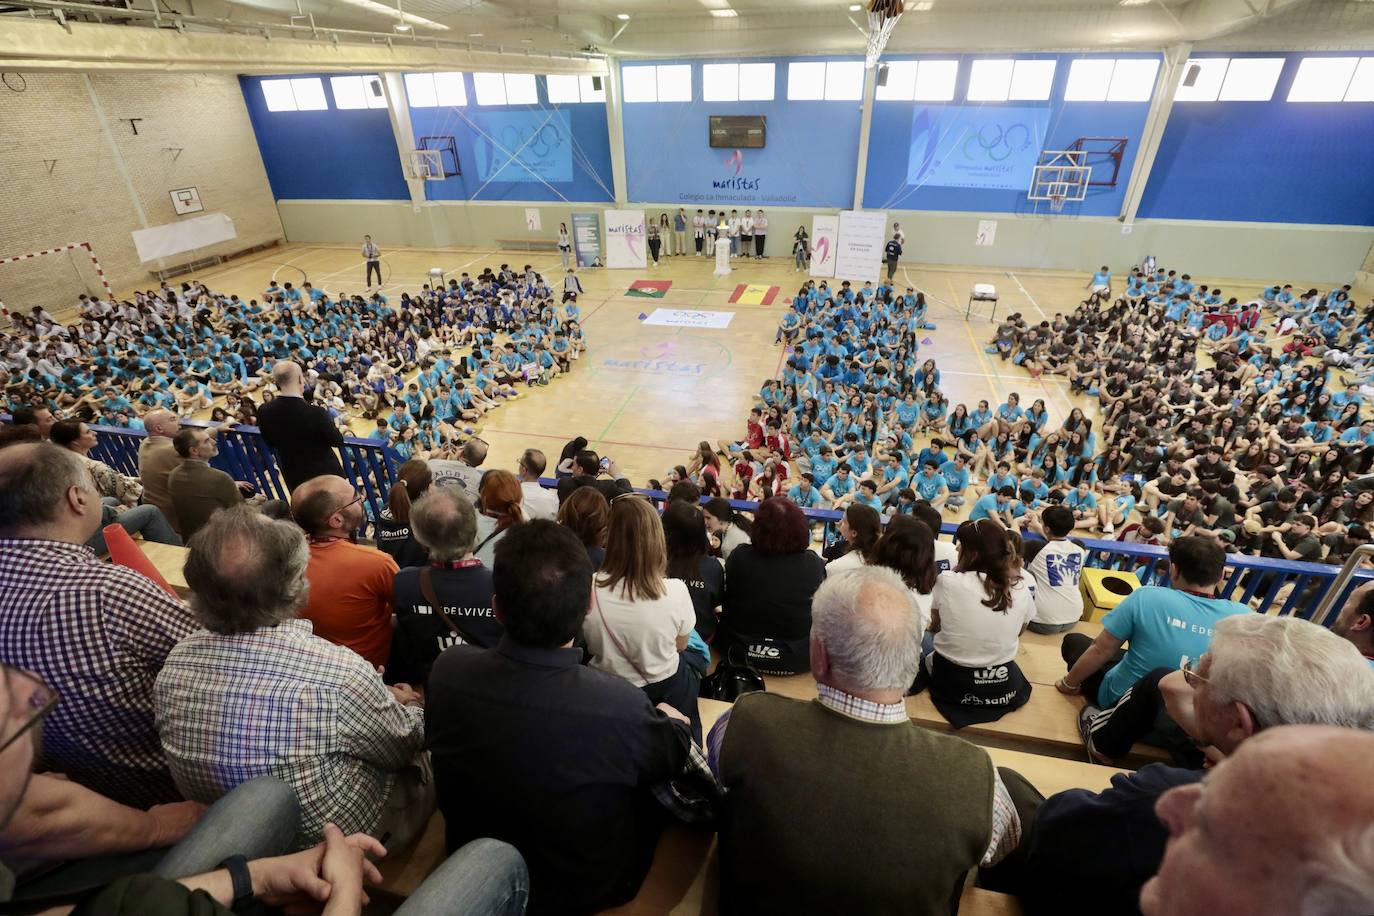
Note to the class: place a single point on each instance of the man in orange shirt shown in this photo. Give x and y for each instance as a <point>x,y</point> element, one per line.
<point>350,585</point>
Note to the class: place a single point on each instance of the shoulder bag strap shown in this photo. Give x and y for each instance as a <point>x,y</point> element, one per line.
<point>614,640</point>
<point>427,590</point>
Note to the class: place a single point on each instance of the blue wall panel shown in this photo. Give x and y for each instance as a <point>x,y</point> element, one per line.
<point>326,155</point>
<point>1272,162</point>
<point>522,152</point>
<point>900,129</point>
<point>809,159</point>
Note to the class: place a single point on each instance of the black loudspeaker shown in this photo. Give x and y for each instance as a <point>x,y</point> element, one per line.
<point>376,87</point>
<point>882,74</point>
<point>596,83</point>
<point>1191,76</point>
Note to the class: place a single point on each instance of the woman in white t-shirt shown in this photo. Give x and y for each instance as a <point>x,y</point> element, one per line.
<point>908,547</point>
<point>979,610</point>
<point>861,527</point>
<point>640,620</point>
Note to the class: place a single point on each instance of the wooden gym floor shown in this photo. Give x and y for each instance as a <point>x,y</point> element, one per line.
<point>645,395</point>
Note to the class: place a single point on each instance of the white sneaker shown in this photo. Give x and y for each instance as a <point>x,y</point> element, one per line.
<point>1108,528</point>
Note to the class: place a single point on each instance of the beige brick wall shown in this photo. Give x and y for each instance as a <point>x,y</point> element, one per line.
<point>85,198</point>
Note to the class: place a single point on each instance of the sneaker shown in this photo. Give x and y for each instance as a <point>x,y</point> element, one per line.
<point>1085,730</point>
<point>1108,528</point>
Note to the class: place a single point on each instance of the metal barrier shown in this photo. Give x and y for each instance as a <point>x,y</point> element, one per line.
<point>245,455</point>
<point>1307,590</point>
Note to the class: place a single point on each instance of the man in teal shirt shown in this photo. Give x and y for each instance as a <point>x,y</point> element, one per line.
<point>1165,627</point>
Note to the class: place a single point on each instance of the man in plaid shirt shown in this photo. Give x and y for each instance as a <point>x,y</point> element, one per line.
<point>256,693</point>
<point>96,632</point>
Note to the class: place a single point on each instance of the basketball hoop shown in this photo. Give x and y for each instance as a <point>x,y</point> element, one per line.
<point>1057,203</point>
<point>882,19</point>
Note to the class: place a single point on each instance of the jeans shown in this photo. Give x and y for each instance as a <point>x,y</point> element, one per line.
<point>484,878</point>
<point>1049,629</point>
<point>146,520</point>
<point>257,819</point>
<point>371,266</point>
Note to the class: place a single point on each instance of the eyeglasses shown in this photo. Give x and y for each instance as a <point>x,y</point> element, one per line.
<point>28,710</point>
<point>357,498</point>
<point>1190,675</point>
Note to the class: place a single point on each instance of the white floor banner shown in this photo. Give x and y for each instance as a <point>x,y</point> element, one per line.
<point>825,232</point>
<point>687,318</point>
<point>862,237</point>
<point>625,239</point>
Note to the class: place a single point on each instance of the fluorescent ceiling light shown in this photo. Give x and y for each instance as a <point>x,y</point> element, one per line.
<point>855,7</point>
<point>402,27</point>
<point>724,14</point>
<point>381,9</point>
<point>622,16</point>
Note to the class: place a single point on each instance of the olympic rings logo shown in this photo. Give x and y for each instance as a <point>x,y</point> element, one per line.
<point>540,143</point>
<point>1007,140</point>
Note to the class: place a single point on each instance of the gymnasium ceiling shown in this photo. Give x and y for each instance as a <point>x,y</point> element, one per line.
<point>255,35</point>
<point>687,27</point>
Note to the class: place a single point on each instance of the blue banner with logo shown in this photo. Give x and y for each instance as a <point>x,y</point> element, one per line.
<point>586,233</point>
<point>994,146</point>
<point>523,145</point>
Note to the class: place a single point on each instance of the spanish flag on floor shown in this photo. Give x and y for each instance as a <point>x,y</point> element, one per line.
<point>649,289</point>
<point>754,294</point>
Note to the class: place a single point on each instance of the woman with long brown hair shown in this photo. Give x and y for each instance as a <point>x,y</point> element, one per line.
<point>394,536</point>
<point>979,610</point>
<point>861,527</point>
<point>587,514</point>
<point>498,505</point>
<point>640,619</point>
<point>908,547</point>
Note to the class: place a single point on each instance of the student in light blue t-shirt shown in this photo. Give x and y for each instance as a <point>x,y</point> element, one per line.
<point>1165,627</point>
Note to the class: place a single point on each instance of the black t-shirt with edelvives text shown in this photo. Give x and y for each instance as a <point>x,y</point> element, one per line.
<point>465,593</point>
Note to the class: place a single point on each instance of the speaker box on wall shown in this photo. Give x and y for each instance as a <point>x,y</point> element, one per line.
<point>882,74</point>
<point>1191,76</point>
<point>596,83</point>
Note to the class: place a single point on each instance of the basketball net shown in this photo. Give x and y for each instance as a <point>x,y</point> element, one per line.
<point>1057,203</point>
<point>882,19</point>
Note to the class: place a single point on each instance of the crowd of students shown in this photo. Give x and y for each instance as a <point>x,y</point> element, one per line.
<point>1245,422</point>
<point>426,368</point>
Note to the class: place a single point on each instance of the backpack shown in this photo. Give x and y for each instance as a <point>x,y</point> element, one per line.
<point>731,679</point>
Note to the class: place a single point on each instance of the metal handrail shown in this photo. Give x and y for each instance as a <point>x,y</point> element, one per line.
<point>1341,582</point>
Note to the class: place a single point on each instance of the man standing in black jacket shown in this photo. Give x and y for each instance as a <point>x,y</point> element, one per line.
<point>303,435</point>
<point>536,749</point>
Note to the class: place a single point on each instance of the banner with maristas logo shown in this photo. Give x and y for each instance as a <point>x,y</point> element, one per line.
<point>825,234</point>
<point>586,233</point>
<point>625,246</point>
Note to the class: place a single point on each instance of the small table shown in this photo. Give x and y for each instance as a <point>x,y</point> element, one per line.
<point>982,292</point>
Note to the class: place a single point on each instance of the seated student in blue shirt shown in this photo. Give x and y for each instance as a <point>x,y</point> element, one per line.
<point>1083,503</point>
<point>1162,626</point>
<point>1002,477</point>
<point>1009,413</point>
<point>956,474</point>
<point>804,492</point>
<point>930,485</point>
<point>996,505</point>
<point>892,477</point>
<point>867,495</point>
<point>839,488</point>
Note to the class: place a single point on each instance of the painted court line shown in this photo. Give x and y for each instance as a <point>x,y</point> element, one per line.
<point>1026,293</point>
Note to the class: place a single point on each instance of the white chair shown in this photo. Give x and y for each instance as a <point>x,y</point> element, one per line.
<point>436,273</point>
<point>982,292</point>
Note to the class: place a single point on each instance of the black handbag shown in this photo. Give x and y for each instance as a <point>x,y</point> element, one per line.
<point>731,679</point>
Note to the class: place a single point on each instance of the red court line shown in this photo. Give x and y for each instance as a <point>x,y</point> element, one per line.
<point>565,438</point>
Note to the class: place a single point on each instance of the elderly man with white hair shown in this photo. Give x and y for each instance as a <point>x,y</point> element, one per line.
<point>843,804</point>
<point>1284,828</point>
<point>1082,849</point>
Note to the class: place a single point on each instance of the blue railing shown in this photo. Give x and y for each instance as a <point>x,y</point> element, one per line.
<point>1282,586</point>
<point>245,455</point>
